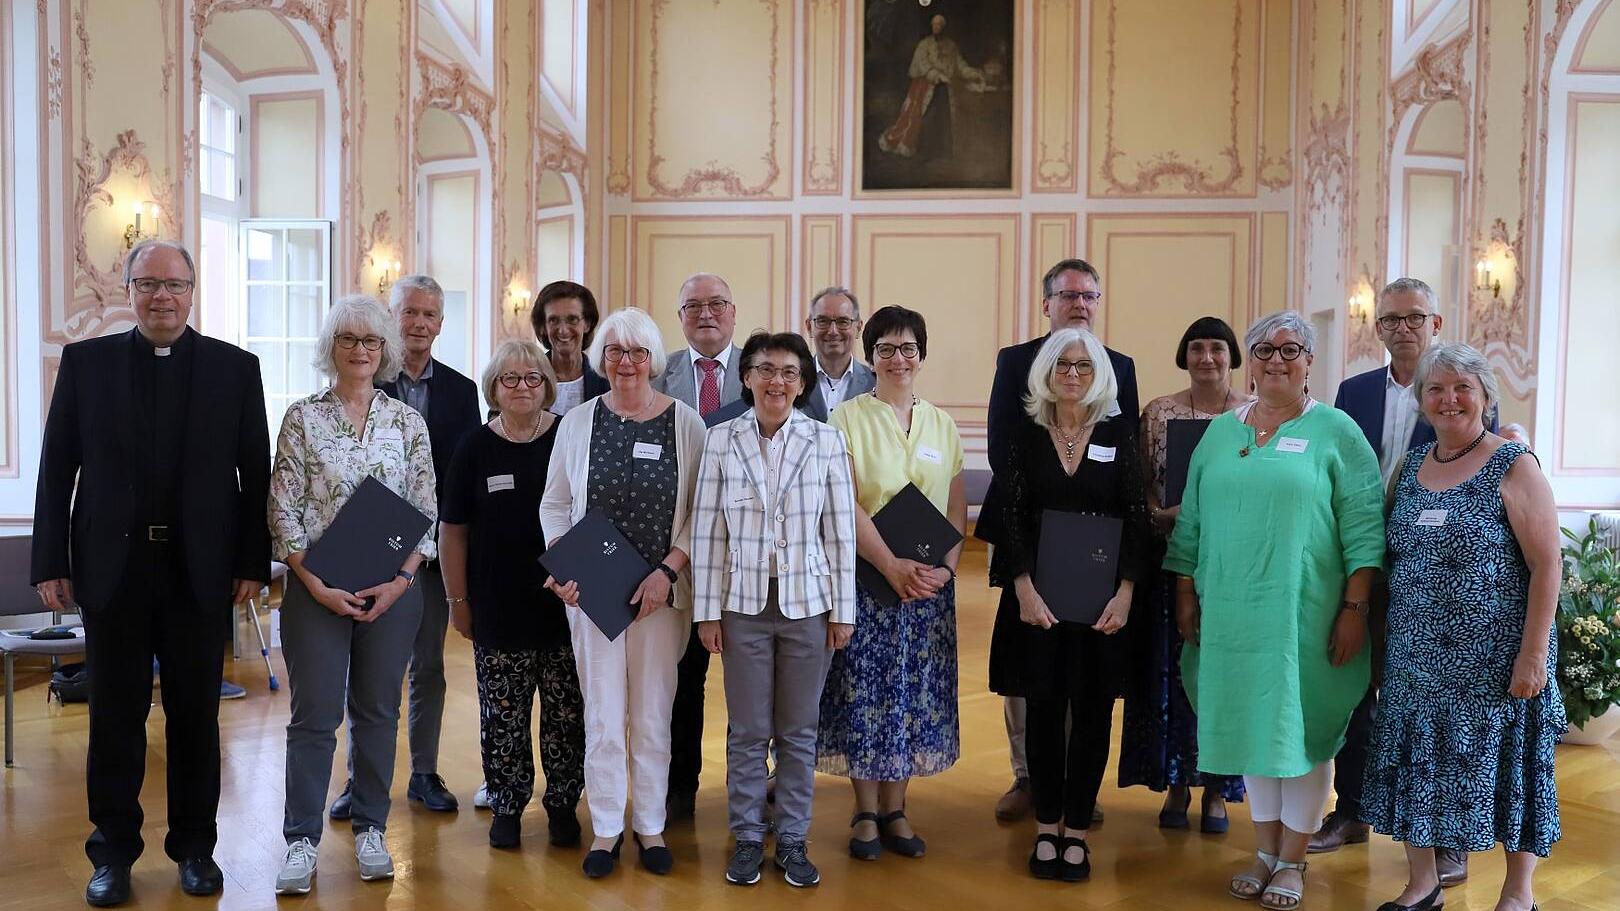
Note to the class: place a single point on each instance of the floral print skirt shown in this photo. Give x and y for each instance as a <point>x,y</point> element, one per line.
<point>888,710</point>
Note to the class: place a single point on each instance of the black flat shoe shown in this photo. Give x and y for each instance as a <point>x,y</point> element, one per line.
<point>905,847</point>
<point>1427,904</point>
<point>871,848</point>
<point>600,863</point>
<point>108,886</point>
<point>1173,818</point>
<point>1046,869</point>
<point>655,859</point>
<point>562,828</point>
<point>1207,824</point>
<point>1074,873</point>
<point>505,831</point>
<point>201,876</point>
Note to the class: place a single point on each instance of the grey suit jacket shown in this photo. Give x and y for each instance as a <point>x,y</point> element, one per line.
<point>862,382</point>
<point>677,381</point>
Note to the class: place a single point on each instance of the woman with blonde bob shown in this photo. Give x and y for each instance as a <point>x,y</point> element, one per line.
<point>1072,459</point>
<point>632,453</point>
<point>346,648</point>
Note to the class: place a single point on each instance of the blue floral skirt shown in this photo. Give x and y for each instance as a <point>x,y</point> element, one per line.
<point>888,710</point>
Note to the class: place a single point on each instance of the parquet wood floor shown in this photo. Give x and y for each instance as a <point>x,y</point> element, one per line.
<point>444,861</point>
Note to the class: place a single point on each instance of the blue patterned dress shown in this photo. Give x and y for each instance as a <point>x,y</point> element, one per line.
<point>1454,759</point>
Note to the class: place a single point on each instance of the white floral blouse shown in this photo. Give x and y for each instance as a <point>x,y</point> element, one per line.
<point>321,460</point>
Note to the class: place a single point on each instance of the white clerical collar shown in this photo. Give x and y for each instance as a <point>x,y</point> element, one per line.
<point>162,352</point>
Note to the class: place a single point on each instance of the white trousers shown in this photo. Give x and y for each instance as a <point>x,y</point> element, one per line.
<point>629,690</point>
<point>1298,802</point>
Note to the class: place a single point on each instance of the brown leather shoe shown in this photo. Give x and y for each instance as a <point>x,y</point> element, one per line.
<point>1337,831</point>
<point>1017,803</point>
<point>1452,865</point>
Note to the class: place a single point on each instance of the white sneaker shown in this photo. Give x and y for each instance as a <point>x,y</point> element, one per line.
<point>297,868</point>
<point>372,855</point>
<point>481,799</point>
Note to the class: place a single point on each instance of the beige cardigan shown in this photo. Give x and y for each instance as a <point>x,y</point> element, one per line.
<point>561,507</point>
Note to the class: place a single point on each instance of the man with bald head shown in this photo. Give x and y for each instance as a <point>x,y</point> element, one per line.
<point>706,374</point>
<point>149,522</point>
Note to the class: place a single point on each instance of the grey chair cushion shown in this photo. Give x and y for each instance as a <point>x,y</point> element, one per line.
<point>16,642</point>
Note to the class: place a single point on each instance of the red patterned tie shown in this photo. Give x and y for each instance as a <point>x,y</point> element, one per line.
<point>709,395</point>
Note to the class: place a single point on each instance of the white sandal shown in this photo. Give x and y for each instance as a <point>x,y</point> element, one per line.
<point>1249,879</point>
<point>1295,895</point>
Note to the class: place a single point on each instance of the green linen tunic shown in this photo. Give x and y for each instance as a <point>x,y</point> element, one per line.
<point>1270,539</point>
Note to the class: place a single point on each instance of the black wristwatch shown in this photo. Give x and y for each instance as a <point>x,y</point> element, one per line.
<point>409,577</point>
<point>671,574</point>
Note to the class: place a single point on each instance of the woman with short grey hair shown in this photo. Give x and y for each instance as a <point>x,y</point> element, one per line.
<point>345,648</point>
<point>1462,748</point>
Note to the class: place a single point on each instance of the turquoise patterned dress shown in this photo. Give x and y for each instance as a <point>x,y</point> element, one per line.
<point>1454,759</point>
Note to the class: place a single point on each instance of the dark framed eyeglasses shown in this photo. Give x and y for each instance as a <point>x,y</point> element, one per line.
<point>1414,321</point>
<point>531,379</point>
<point>1069,297</point>
<point>1289,350</point>
<point>347,341</point>
<point>614,354</point>
<point>1078,368</point>
<point>844,323</point>
<point>768,372</point>
<point>884,350</point>
<point>714,305</point>
<point>175,286</point>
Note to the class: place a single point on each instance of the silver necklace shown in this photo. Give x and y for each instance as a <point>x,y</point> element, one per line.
<point>534,433</point>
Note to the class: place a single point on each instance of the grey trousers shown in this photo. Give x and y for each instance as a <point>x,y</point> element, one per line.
<point>774,671</point>
<point>333,661</point>
<point>426,716</point>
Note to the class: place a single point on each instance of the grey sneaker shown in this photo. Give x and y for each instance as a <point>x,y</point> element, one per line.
<point>372,855</point>
<point>745,862</point>
<point>297,868</point>
<point>795,864</point>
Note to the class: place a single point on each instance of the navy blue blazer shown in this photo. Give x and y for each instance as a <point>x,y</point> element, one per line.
<point>1362,397</point>
<point>452,412</point>
<point>1006,415</point>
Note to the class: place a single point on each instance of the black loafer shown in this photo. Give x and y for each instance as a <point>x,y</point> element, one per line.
<point>108,886</point>
<point>680,807</point>
<point>1074,873</point>
<point>1046,869</point>
<point>871,848</point>
<point>655,859</point>
<point>905,847</point>
<point>562,828</point>
<point>342,806</point>
<point>600,863</point>
<point>201,876</point>
<point>430,790</point>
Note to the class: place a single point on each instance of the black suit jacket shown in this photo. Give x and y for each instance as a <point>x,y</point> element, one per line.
<point>1362,397</point>
<point>84,509</point>
<point>1007,414</point>
<point>452,411</point>
<point>595,383</point>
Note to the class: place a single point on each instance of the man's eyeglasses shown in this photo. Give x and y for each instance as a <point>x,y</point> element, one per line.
<point>884,350</point>
<point>175,286</point>
<point>1414,321</point>
<point>714,305</point>
<point>347,341</point>
<point>824,323</point>
<point>768,372</point>
<point>614,354</point>
<point>1078,368</point>
<point>1289,351</point>
<point>531,379</point>
<point>1069,297</point>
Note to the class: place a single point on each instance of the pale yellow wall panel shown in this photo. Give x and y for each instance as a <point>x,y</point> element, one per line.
<point>1159,274</point>
<point>1273,263</point>
<point>1327,49</point>
<point>559,49</point>
<point>1275,168</point>
<point>1186,129</point>
<point>1053,238</point>
<point>441,135</point>
<point>621,39</point>
<point>556,250</point>
<point>1600,46</point>
<point>1056,148</point>
<point>714,131</point>
<point>823,243</point>
<point>1440,131</point>
<point>618,265</point>
<point>286,175</point>
<point>824,54</point>
<point>751,254</point>
<point>1432,203</point>
<point>553,190</point>
<point>382,70</point>
<point>452,231</point>
<point>254,43</point>
<point>961,273</point>
<point>1590,373</point>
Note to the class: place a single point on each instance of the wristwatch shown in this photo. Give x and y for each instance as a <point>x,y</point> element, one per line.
<point>410,578</point>
<point>1355,607</point>
<point>671,574</point>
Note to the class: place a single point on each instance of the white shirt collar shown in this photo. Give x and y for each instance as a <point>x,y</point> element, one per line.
<point>1390,382</point>
<point>849,371</point>
<point>724,357</point>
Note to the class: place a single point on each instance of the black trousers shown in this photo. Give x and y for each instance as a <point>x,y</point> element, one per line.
<point>154,615</point>
<point>1351,763</point>
<point>1066,767</point>
<point>686,719</point>
<point>508,682</point>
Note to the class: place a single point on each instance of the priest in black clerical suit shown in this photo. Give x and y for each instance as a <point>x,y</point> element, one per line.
<point>150,521</point>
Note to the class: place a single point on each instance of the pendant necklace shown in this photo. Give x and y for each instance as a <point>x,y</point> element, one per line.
<point>1068,443</point>
<point>1465,450</point>
<point>1261,435</point>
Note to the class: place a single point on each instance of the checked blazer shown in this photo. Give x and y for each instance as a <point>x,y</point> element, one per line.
<point>810,527</point>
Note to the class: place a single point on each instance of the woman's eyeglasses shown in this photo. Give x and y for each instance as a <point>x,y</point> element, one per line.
<point>614,354</point>
<point>885,351</point>
<point>531,379</point>
<point>347,341</point>
<point>1289,350</point>
<point>1078,368</point>
<point>768,372</point>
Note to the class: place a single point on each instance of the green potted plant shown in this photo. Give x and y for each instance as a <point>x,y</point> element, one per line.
<point>1589,636</point>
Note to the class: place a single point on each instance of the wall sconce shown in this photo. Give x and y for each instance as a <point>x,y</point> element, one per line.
<point>135,232</point>
<point>1483,281</point>
<point>517,300</point>
<point>390,272</point>
<point>1359,304</point>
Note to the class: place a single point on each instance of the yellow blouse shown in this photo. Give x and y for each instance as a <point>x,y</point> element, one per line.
<point>887,458</point>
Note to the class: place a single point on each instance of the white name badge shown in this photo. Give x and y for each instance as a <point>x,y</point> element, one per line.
<point>1100,453</point>
<point>1434,518</point>
<point>930,455</point>
<point>653,451</point>
<point>1114,410</point>
<point>501,482</point>
<point>741,498</point>
<point>1291,444</point>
